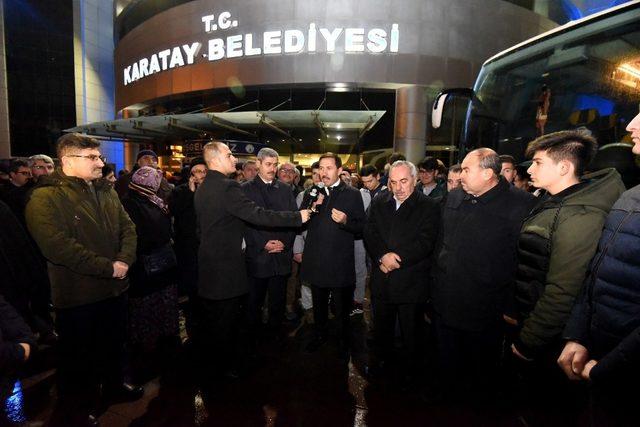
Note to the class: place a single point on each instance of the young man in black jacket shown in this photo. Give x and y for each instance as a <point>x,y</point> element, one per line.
<point>328,263</point>
<point>222,210</point>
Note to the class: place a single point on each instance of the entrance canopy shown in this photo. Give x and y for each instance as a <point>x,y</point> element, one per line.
<point>246,123</point>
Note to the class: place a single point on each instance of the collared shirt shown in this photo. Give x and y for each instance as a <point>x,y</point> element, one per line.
<point>266,182</point>
<point>332,186</point>
<point>427,189</point>
<point>398,202</point>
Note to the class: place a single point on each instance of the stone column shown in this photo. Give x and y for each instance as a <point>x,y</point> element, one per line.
<point>411,122</point>
<point>5,141</point>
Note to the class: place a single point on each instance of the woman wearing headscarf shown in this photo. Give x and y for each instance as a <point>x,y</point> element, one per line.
<point>153,296</point>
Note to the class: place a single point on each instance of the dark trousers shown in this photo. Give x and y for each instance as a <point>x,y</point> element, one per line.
<point>543,394</point>
<point>220,324</point>
<point>411,320</point>
<point>187,273</point>
<point>258,288</point>
<point>91,347</point>
<point>342,299</point>
<point>469,361</point>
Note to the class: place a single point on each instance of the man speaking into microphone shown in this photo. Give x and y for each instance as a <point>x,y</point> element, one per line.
<point>328,263</point>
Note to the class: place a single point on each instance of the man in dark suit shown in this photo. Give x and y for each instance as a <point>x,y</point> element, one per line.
<point>475,272</point>
<point>328,263</point>
<point>269,251</point>
<point>222,210</point>
<point>400,234</point>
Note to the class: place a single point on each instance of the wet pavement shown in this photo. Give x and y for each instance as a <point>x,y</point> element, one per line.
<point>283,386</point>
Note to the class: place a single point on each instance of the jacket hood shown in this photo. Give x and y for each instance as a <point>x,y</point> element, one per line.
<point>602,190</point>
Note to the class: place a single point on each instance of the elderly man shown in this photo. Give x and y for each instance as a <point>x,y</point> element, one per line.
<point>475,273</point>
<point>287,174</point>
<point>41,165</point>
<point>400,235</point>
<point>222,212</point>
<point>89,243</point>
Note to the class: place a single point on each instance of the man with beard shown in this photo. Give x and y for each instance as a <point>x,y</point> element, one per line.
<point>41,165</point>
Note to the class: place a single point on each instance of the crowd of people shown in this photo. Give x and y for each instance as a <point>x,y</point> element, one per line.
<point>497,291</point>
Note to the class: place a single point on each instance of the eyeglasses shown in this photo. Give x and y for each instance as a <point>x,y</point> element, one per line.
<point>41,167</point>
<point>287,170</point>
<point>91,157</point>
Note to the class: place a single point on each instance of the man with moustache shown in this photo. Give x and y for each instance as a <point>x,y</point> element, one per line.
<point>269,251</point>
<point>89,242</point>
<point>222,210</point>
<point>475,273</point>
<point>41,165</point>
<point>400,235</point>
<point>328,263</point>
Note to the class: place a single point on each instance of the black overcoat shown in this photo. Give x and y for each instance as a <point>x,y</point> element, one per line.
<point>277,197</point>
<point>328,259</point>
<point>477,260</point>
<point>412,233</point>
<point>221,209</point>
<point>153,229</point>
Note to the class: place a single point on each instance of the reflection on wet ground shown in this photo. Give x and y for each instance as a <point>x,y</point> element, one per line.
<point>283,386</point>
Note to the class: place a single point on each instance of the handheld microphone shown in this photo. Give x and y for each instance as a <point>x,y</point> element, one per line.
<point>314,193</point>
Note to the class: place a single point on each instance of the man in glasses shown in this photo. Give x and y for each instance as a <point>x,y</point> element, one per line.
<point>41,165</point>
<point>14,193</point>
<point>287,174</point>
<point>89,242</point>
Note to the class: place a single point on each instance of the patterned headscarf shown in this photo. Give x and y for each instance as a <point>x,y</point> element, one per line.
<point>146,181</point>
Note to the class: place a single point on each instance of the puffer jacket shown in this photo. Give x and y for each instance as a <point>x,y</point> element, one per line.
<point>557,241</point>
<point>81,235</point>
<point>606,317</point>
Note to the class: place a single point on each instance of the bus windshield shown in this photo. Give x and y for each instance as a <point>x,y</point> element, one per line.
<point>584,76</point>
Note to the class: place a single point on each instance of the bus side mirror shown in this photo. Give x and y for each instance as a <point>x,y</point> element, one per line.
<point>441,98</point>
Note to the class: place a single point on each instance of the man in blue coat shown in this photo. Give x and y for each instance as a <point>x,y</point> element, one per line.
<point>603,332</point>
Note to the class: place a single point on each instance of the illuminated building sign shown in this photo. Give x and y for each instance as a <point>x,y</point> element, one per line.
<point>314,38</point>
